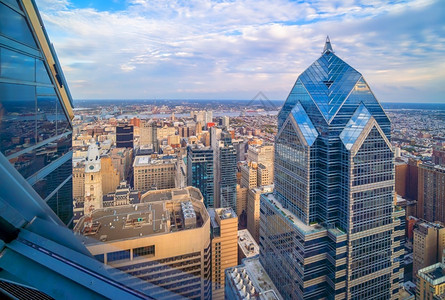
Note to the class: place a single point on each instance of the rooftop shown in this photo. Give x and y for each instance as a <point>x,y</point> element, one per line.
<point>250,279</point>
<point>144,219</point>
<point>293,218</point>
<point>247,244</point>
<point>173,194</point>
<point>434,274</point>
<point>147,160</point>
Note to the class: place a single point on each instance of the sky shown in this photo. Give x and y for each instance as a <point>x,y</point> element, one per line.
<point>179,49</point>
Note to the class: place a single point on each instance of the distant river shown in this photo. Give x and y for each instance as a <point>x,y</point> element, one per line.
<point>215,114</point>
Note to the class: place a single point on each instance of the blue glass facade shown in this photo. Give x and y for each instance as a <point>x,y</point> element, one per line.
<point>228,169</point>
<point>35,105</point>
<point>200,172</point>
<point>334,187</point>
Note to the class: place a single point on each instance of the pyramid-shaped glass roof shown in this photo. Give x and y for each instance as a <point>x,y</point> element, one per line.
<point>304,123</point>
<point>328,81</point>
<point>355,126</point>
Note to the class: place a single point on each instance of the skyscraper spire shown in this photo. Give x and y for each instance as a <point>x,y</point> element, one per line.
<point>327,46</point>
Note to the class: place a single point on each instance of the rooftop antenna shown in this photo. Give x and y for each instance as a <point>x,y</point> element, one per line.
<point>327,46</point>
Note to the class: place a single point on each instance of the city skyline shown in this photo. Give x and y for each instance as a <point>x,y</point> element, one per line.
<point>136,50</point>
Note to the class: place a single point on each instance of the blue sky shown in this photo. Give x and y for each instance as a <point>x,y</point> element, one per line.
<point>176,49</point>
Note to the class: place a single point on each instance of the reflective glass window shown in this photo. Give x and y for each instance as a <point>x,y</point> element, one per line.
<point>17,117</point>
<point>16,65</point>
<point>12,3</point>
<point>42,73</point>
<point>48,184</point>
<point>46,117</point>
<point>31,162</point>
<point>61,202</point>
<point>13,25</point>
<point>63,125</point>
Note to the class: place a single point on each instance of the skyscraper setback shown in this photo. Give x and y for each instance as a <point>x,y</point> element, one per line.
<point>330,229</point>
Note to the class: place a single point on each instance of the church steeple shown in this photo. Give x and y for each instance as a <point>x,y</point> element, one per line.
<point>327,46</point>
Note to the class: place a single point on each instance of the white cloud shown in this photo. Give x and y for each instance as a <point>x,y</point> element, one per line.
<point>233,49</point>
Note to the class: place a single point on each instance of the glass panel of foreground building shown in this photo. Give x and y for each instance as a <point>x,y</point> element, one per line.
<point>36,107</point>
<point>331,229</point>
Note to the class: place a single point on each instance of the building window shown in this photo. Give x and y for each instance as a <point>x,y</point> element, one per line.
<point>144,251</point>
<point>118,255</point>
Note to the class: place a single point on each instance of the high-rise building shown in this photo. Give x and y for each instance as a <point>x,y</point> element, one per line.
<point>225,172</point>
<point>262,154</point>
<point>154,173</point>
<point>124,136</point>
<point>253,209</point>
<point>331,229</point>
<point>241,202</point>
<point>149,134</point>
<point>200,171</point>
<point>40,258</point>
<point>224,232</point>
<point>36,105</point>
<point>249,175</point>
<point>431,192</point>
<point>428,245</point>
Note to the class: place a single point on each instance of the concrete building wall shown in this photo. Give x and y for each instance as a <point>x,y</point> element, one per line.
<point>110,176</point>
<point>224,252</point>
<point>431,193</point>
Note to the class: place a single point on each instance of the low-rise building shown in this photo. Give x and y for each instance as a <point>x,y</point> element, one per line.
<point>250,281</point>
<point>247,247</point>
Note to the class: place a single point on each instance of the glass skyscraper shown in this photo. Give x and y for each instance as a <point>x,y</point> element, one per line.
<point>35,107</point>
<point>330,229</point>
<point>200,171</point>
<point>227,171</point>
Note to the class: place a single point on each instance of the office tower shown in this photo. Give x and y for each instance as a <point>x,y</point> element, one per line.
<point>79,181</point>
<point>241,202</point>
<point>110,176</point>
<point>164,241</point>
<point>253,209</point>
<point>263,175</point>
<point>401,176</point>
<point>431,282</point>
<point>154,173</point>
<point>181,171</point>
<point>208,117</point>
<point>225,121</point>
<point>200,172</point>
<point>225,172</point>
<point>330,229</point>
<point>124,136</point>
<point>36,105</point>
<point>431,192</point>
<point>262,154</point>
<point>122,159</point>
<point>249,175</point>
<point>149,134</point>
<point>224,232</point>
<point>241,149</point>
<point>40,258</point>
<point>428,245</point>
